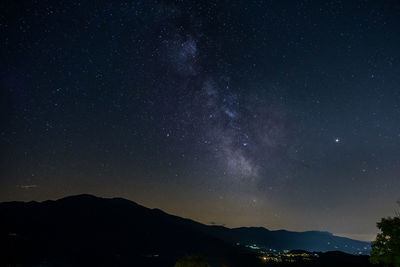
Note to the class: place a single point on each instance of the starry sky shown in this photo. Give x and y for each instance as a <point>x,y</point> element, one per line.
<point>282,114</point>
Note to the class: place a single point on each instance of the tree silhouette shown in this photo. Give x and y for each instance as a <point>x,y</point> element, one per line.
<point>192,261</point>
<point>386,247</point>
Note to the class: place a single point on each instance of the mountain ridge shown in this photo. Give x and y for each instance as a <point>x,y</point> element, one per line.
<point>121,230</point>
<point>93,197</point>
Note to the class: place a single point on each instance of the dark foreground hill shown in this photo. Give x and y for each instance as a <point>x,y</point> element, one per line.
<point>89,231</point>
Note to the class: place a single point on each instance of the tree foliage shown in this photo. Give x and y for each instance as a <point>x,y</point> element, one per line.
<point>192,261</point>
<point>386,247</point>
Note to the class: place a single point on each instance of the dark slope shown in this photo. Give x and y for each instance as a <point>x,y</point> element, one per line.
<point>87,230</point>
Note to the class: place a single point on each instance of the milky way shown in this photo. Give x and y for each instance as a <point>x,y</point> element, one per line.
<point>244,133</point>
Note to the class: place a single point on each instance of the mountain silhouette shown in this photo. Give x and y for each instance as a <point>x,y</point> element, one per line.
<point>85,230</point>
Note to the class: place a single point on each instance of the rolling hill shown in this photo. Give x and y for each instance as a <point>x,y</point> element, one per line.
<point>85,230</point>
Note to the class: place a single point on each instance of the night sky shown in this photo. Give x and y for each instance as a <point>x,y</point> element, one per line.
<point>282,114</point>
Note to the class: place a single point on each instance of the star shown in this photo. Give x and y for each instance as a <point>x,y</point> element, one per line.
<point>337,140</point>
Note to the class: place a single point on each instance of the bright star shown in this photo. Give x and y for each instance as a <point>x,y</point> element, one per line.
<point>337,140</point>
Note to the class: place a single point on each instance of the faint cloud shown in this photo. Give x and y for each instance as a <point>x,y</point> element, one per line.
<point>27,186</point>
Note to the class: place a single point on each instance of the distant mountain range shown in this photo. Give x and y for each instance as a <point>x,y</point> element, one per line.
<point>85,230</point>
